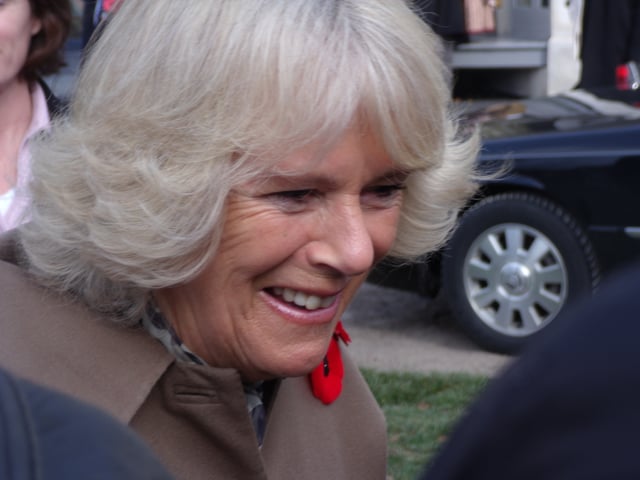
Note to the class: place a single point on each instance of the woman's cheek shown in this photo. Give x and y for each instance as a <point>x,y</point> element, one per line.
<point>383,233</point>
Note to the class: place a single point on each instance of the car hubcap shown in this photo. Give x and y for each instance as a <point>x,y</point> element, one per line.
<point>515,279</point>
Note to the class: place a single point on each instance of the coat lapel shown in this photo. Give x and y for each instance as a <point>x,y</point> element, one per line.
<point>326,441</point>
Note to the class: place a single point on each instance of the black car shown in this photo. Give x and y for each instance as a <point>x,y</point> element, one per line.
<point>540,236</point>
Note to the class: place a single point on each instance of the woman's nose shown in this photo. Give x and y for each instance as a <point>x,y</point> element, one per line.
<point>344,242</point>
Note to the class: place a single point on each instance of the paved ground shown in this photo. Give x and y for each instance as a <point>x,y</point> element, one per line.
<point>401,331</point>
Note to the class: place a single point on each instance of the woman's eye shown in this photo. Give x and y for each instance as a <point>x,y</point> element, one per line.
<point>384,191</point>
<point>294,194</point>
<point>383,196</point>
<point>293,200</point>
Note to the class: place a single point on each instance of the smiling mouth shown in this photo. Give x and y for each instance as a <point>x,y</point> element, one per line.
<point>301,299</point>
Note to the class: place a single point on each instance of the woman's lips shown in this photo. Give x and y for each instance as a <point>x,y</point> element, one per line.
<point>303,300</point>
<point>300,307</point>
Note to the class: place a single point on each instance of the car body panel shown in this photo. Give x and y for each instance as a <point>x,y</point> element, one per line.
<point>587,163</point>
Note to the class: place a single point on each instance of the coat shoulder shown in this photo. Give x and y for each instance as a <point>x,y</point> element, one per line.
<point>53,340</point>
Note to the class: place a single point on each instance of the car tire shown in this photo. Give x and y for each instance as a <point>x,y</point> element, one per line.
<point>514,263</point>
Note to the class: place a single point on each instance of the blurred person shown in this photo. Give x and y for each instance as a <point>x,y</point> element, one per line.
<point>228,174</point>
<point>94,13</point>
<point>32,36</point>
<point>88,10</point>
<point>102,9</point>
<point>566,408</point>
<point>610,40</point>
<point>45,435</point>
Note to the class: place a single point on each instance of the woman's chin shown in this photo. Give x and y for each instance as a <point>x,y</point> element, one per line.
<point>297,366</point>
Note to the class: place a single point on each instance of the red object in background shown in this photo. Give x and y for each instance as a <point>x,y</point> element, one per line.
<point>326,378</point>
<point>627,76</point>
<point>107,5</point>
<point>622,77</point>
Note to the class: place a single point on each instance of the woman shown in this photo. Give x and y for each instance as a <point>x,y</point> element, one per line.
<point>32,34</point>
<point>228,174</point>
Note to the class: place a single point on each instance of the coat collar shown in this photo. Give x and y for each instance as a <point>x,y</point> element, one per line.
<point>52,340</point>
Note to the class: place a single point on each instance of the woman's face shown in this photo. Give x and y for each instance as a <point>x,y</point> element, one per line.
<point>17,26</point>
<point>294,250</point>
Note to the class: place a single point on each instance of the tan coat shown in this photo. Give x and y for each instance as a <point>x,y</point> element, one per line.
<point>194,417</point>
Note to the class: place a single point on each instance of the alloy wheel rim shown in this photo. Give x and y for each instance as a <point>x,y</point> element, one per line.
<point>515,279</point>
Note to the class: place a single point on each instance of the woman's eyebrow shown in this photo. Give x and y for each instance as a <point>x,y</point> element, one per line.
<point>297,180</point>
<point>284,180</point>
<point>393,175</point>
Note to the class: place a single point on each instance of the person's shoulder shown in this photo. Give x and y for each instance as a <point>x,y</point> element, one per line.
<point>567,404</point>
<point>47,431</point>
<point>607,315</point>
<point>51,338</point>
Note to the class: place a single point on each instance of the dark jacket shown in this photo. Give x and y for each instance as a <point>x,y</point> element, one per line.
<point>568,408</point>
<point>45,435</point>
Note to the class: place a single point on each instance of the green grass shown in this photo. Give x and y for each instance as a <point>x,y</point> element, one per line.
<point>420,411</point>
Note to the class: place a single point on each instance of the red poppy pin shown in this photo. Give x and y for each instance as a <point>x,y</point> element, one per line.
<point>326,378</point>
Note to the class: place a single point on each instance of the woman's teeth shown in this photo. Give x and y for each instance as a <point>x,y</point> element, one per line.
<point>310,302</point>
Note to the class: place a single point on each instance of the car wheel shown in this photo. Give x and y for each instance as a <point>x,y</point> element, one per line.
<point>512,266</point>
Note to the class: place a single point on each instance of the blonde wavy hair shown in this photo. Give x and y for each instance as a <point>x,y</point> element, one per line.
<point>176,98</point>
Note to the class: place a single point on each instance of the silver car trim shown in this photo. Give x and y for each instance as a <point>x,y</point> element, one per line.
<point>633,232</point>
